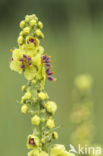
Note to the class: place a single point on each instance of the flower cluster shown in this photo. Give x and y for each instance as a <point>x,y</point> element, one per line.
<point>29,59</point>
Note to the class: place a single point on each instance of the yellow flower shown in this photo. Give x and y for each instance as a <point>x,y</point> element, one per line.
<point>35,120</point>
<point>15,66</point>
<point>36,152</point>
<point>59,150</point>
<point>40,50</point>
<point>30,73</point>
<point>32,40</point>
<point>42,153</point>
<point>50,123</point>
<point>24,109</point>
<point>41,74</point>
<point>43,96</point>
<point>32,142</point>
<point>51,107</point>
<point>15,63</point>
<point>36,60</point>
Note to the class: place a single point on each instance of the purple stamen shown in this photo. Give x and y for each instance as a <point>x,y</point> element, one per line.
<point>33,41</point>
<point>49,72</point>
<point>32,142</point>
<point>50,78</point>
<point>21,59</point>
<point>25,56</point>
<point>47,64</point>
<point>28,58</point>
<point>30,63</point>
<point>23,66</point>
<point>44,57</point>
<point>47,61</point>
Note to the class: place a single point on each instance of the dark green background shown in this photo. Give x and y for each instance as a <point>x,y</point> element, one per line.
<point>74,38</point>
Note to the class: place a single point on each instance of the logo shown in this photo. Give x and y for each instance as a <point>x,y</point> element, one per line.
<point>97,150</point>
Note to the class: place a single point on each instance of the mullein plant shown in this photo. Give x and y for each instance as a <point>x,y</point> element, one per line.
<point>82,114</point>
<point>29,59</point>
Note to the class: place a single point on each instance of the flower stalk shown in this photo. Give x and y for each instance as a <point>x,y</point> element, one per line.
<point>29,59</point>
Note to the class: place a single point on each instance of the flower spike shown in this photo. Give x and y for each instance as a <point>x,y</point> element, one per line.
<point>29,59</point>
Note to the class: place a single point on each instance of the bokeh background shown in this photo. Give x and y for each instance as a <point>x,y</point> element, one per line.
<point>74,38</point>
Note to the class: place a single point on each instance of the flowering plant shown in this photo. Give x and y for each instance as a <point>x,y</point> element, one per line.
<point>29,59</point>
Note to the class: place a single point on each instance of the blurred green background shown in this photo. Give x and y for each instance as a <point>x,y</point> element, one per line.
<point>74,38</point>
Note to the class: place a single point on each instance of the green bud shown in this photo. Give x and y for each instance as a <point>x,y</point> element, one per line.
<point>24,109</point>
<point>40,24</point>
<point>23,88</point>
<point>50,123</point>
<point>20,40</point>
<point>22,24</point>
<point>33,22</point>
<point>55,135</point>
<point>43,96</point>
<point>21,33</point>
<point>35,120</point>
<point>27,18</point>
<point>39,33</point>
<point>51,107</point>
<point>26,30</point>
<point>28,95</point>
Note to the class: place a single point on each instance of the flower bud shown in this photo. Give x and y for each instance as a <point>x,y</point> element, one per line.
<point>27,18</point>
<point>24,109</point>
<point>55,135</point>
<point>28,95</point>
<point>20,39</point>
<point>43,96</point>
<point>33,22</point>
<point>23,100</point>
<point>23,88</point>
<point>26,30</point>
<point>35,120</point>
<point>21,33</point>
<point>51,107</point>
<point>22,24</point>
<point>40,24</point>
<point>50,123</point>
<point>39,33</point>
